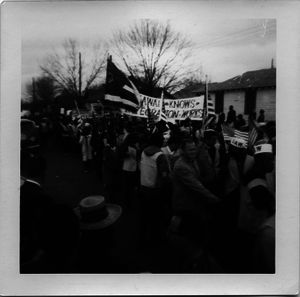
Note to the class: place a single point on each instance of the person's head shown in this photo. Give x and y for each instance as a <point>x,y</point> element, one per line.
<point>261,112</point>
<point>189,150</point>
<point>173,143</point>
<point>240,117</point>
<point>32,166</point>
<point>156,139</point>
<point>167,135</point>
<point>263,156</point>
<point>186,122</point>
<point>28,129</point>
<point>222,117</point>
<point>197,135</point>
<point>210,137</point>
<point>252,115</point>
<point>231,107</point>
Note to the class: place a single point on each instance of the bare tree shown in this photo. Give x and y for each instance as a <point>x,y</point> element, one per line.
<point>40,92</point>
<point>75,69</point>
<point>154,54</point>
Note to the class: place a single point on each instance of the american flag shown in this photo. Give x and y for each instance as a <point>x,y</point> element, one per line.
<point>253,133</point>
<point>240,134</point>
<point>229,132</point>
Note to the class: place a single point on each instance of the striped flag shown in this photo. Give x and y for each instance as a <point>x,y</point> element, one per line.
<point>256,133</point>
<point>209,114</point>
<point>229,133</point>
<point>252,137</point>
<point>210,106</point>
<point>240,134</point>
<point>120,89</point>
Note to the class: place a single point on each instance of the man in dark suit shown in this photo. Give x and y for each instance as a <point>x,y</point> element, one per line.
<point>192,202</point>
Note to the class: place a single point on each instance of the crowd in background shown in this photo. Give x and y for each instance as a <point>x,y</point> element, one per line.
<point>209,200</point>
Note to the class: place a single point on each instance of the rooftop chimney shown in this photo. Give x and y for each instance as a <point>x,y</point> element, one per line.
<point>272,64</point>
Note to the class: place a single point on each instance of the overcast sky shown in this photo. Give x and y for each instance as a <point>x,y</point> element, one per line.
<point>225,47</point>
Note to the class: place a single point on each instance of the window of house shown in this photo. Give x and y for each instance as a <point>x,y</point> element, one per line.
<point>219,103</point>
<point>250,100</point>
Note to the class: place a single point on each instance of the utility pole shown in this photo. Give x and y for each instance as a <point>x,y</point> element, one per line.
<point>79,76</point>
<point>33,95</point>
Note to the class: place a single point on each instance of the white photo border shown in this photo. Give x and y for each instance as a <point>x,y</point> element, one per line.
<point>284,281</point>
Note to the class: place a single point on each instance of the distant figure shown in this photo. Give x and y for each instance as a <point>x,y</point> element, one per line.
<point>252,116</point>
<point>261,117</point>
<point>240,122</point>
<point>231,115</point>
<point>86,147</point>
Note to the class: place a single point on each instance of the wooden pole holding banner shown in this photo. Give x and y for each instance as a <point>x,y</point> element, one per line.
<point>205,108</point>
<point>161,103</point>
<point>79,76</point>
<point>206,95</point>
<point>76,105</point>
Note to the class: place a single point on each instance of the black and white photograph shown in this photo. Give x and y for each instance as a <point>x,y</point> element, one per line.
<point>146,141</point>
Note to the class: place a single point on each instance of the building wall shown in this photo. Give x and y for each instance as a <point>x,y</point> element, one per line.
<point>266,100</point>
<point>235,98</point>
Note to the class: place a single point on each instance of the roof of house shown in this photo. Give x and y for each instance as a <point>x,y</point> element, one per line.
<point>186,92</point>
<point>251,79</point>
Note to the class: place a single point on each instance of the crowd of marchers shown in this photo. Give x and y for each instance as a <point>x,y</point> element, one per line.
<point>206,199</point>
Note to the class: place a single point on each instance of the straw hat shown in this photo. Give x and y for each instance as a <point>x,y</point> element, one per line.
<point>28,128</point>
<point>95,214</point>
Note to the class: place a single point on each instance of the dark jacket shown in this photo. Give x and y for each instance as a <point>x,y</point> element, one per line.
<point>190,196</point>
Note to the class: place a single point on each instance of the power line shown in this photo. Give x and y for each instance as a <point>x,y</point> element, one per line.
<point>226,38</point>
<point>232,37</point>
<point>256,29</point>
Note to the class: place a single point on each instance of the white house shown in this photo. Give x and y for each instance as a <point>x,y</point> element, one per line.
<point>251,91</point>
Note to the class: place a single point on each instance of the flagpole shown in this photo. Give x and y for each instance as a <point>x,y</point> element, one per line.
<point>76,105</point>
<point>205,107</point>
<point>206,93</point>
<point>161,103</point>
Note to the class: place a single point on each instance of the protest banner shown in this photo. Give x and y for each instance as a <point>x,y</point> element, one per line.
<point>176,109</point>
